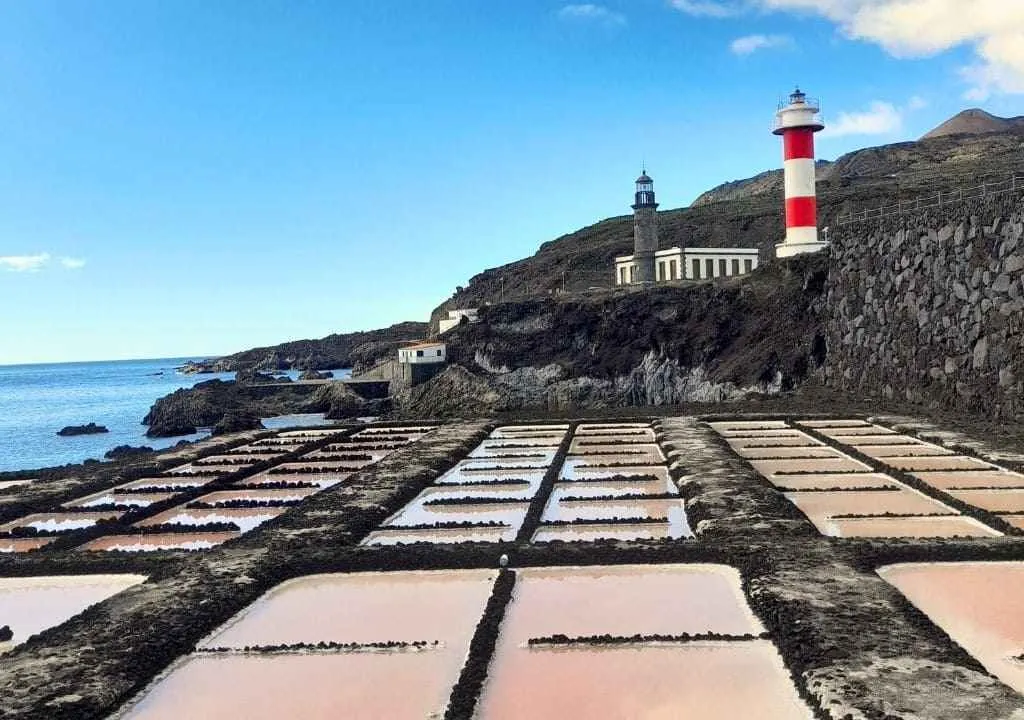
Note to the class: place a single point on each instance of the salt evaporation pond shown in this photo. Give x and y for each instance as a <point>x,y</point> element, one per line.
<point>821,507</point>
<point>60,522</point>
<point>120,499</point>
<point>417,513</point>
<point>950,462</point>
<point>918,527</point>
<point>883,452</point>
<point>431,606</point>
<point>997,501</point>
<point>718,680</point>
<point>30,605</point>
<point>182,483</point>
<point>800,440</point>
<point>978,604</point>
<point>571,471</point>
<point>823,465</point>
<point>368,607</point>
<point>768,453</point>
<point>592,532</point>
<point>972,479</point>
<point>354,686</point>
<point>152,542</point>
<point>852,422</point>
<point>12,545</point>
<point>440,536</point>
<point>245,518</point>
<point>835,481</point>
<point>857,431</point>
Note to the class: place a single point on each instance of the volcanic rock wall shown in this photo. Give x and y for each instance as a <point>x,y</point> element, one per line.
<point>930,307</point>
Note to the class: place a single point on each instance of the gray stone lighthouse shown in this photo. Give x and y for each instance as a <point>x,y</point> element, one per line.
<point>645,229</point>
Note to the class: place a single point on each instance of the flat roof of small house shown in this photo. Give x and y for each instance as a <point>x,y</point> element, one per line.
<point>424,345</point>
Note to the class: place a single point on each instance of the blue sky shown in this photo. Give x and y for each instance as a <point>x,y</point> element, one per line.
<point>198,177</point>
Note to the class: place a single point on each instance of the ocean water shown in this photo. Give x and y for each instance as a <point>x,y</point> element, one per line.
<point>38,400</point>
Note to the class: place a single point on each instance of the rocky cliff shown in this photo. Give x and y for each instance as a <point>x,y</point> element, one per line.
<point>661,346</point>
<point>343,350</point>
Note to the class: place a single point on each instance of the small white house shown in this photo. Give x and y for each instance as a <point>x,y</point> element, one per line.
<point>691,263</point>
<point>422,353</point>
<point>455,317</point>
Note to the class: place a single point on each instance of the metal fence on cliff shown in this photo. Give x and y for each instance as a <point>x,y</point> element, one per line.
<point>1015,184</point>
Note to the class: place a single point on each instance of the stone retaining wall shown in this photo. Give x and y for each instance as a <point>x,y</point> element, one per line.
<point>930,307</point>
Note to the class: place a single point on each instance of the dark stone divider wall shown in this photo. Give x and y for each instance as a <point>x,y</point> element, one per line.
<point>929,307</point>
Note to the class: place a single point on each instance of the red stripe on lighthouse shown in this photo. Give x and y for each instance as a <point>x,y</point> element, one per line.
<point>801,212</point>
<point>799,144</point>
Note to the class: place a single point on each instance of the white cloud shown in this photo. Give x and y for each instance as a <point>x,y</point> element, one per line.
<point>72,263</point>
<point>708,8</point>
<point>917,103</point>
<point>915,28</point>
<point>24,263</point>
<point>881,118</point>
<point>752,43</point>
<point>922,28</point>
<point>591,12</point>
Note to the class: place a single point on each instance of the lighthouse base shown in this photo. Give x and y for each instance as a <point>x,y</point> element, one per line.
<point>789,249</point>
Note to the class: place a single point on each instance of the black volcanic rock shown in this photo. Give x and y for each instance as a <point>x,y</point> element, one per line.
<point>252,376</point>
<point>237,421</point>
<point>315,375</point>
<point>334,351</point>
<point>207,403</point>
<point>90,429</point>
<point>6,634</point>
<point>126,451</point>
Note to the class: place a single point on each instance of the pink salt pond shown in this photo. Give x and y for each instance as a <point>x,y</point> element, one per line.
<point>997,501</point>
<point>17,545</point>
<point>972,479</point>
<point>30,605</point>
<point>418,513</point>
<point>978,604</point>
<point>572,472</point>
<point>860,432</point>
<point>125,500</point>
<point>354,686</point>
<point>744,425</point>
<point>789,453</point>
<point>951,462</point>
<point>159,541</point>
<point>610,488</point>
<point>911,450</point>
<point>917,527</point>
<point>321,480</point>
<point>822,507</point>
<point>834,481</point>
<point>834,423</point>
<point>799,440</point>
<point>821,465</point>
<point>442,605</point>
<point>592,532</point>
<point>440,536</point>
<point>716,680</point>
<point>60,521</point>
<point>245,518</point>
<point>265,495</point>
<point>172,483</point>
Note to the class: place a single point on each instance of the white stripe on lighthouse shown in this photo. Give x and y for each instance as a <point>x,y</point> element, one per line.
<point>799,176</point>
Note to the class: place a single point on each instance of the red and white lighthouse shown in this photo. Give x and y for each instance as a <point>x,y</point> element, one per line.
<point>796,121</point>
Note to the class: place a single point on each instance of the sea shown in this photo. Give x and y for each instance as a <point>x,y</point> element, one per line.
<point>38,400</point>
